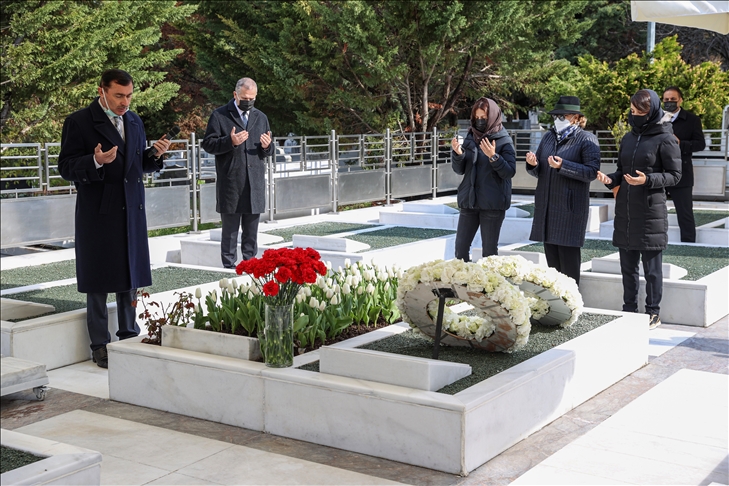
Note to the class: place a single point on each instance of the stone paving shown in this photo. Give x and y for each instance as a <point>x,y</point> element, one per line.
<point>707,350</point>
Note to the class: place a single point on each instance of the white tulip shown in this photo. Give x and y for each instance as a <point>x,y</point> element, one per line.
<point>334,300</point>
<point>330,282</point>
<point>323,305</point>
<point>360,290</point>
<point>328,265</point>
<point>231,288</point>
<point>198,293</point>
<point>348,280</point>
<point>370,288</point>
<point>313,302</point>
<point>214,294</point>
<point>347,263</point>
<point>346,289</point>
<point>336,288</point>
<point>339,269</point>
<point>387,286</point>
<point>329,293</point>
<point>235,283</point>
<point>223,283</point>
<point>307,291</point>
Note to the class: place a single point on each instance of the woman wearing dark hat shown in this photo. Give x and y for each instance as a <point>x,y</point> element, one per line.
<point>487,161</point>
<point>649,160</point>
<point>567,160</point>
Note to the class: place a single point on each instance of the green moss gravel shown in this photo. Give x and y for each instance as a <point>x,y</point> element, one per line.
<point>699,261</point>
<point>591,249</point>
<point>705,216</point>
<point>182,229</point>
<point>398,235</point>
<point>528,208</point>
<point>317,229</point>
<point>13,459</point>
<point>67,298</point>
<point>50,272</point>
<point>483,364</point>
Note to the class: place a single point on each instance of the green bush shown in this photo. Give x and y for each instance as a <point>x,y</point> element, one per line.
<point>605,88</point>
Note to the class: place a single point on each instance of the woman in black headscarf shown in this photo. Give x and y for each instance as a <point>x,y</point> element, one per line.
<point>487,161</point>
<point>649,160</point>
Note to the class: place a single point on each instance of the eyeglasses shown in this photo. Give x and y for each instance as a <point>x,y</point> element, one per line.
<point>558,117</point>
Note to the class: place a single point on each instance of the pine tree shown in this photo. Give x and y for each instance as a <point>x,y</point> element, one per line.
<point>54,52</point>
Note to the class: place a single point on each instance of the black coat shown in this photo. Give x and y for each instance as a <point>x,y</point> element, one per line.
<point>687,127</point>
<point>562,197</point>
<point>641,215</point>
<point>240,186</point>
<point>485,185</point>
<point>112,253</point>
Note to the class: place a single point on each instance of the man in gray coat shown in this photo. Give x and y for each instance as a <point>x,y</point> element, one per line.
<point>240,138</point>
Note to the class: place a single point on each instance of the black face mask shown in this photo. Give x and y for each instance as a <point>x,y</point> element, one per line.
<point>671,106</point>
<point>480,124</point>
<point>245,105</point>
<point>639,120</point>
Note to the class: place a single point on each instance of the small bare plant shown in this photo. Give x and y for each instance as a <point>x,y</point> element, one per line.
<point>175,313</point>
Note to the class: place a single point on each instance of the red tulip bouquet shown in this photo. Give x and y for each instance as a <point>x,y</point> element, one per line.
<point>279,274</point>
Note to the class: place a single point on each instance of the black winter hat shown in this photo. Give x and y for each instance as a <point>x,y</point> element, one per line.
<point>567,105</point>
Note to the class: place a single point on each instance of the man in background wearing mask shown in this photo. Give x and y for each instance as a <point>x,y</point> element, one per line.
<point>103,153</point>
<point>688,131</point>
<point>240,138</point>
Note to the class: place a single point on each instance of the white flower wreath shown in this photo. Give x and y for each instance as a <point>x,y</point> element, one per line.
<point>475,326</point>
<point>507,326</point>
<point>554,297</point>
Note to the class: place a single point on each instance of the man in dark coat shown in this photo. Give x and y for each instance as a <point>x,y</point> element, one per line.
<point>103,154</point>
<point>688,131</point>
<point>240,138</point>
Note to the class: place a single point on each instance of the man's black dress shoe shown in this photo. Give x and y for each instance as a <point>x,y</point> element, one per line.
<point>100,357</point>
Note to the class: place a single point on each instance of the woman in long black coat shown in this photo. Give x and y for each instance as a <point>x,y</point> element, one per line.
<point>649,160</point>
<point>566,161</point>
<point>487,161</point>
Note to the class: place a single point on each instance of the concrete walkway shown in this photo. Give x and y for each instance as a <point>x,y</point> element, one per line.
<point>664,424</point>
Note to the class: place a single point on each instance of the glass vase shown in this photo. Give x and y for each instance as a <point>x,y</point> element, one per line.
<point>278,336</point>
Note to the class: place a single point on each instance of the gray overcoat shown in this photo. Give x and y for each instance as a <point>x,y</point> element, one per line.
<point>241,170</point>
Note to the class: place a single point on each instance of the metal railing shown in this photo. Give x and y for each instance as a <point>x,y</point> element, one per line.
<point>305,173</point>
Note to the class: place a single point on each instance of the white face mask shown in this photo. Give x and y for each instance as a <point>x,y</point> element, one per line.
<point>560,125</point>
